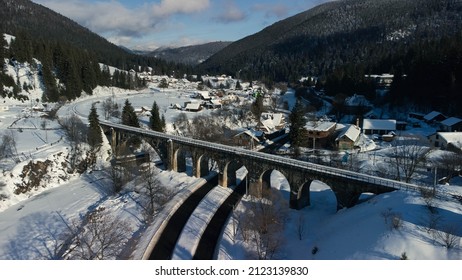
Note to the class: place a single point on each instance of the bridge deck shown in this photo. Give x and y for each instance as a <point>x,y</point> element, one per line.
<point>283,161</point>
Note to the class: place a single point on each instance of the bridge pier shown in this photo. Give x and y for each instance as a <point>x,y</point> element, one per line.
<point>300,198</point>
<point>200,166</point>
<point>347,186</point>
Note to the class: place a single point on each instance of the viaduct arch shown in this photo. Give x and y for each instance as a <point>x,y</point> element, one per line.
<point>347,186</point>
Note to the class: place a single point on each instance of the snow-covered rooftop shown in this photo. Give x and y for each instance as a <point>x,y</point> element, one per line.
<point>451,121</point>
<point>452,137</point>
<point>352,132</point>
<point>319,126</point>
<point>379,124</point>
<point>193,106</point>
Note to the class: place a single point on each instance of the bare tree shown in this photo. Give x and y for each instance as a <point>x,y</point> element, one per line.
<point>156,195</point>
<point>407,156</point>
<point>182,125</point>
<point>76,132</point>
<point>8,146</point>
<point>75,129</point>
<point>208,129</point>
<point>268,215</point>
<point>449,164</point>
<point>447,237</point>
<point>100,236</point>
<point>110,108</point>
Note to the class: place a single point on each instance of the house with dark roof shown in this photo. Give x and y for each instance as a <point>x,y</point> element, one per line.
<point>451,124</point>
<point>434,117</point>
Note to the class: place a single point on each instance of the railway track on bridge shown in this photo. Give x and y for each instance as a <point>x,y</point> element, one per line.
<point>283,161</point>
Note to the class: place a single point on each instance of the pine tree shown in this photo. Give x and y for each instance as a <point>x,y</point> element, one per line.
<point>297,123</point>
<point>155,122</point>
<point>95,137</point>
<point>129,116</point>
<point>257,107</point>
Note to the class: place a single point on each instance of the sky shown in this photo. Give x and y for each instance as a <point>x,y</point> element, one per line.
<point>147,25</point>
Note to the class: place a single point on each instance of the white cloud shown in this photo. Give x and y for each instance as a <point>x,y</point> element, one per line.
<point>230,13</point>
<point>117,22</point>
<point>170,7</point>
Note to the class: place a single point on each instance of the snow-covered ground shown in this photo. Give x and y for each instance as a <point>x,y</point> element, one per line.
<point>30,225</point>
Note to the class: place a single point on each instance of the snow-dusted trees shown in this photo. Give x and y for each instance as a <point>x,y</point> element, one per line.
<point>404,159</point>
<point>76,132</point>
<point>110,108</point>
<point>449,164</point>
<point>263,223</point>
<point>154,195</point>
<point>8,145</point>
<point>407,156</point>
<point>100,236</point>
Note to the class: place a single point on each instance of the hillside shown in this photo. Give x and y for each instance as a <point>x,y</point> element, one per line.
<point>40,24</point>
<point>365,35</point>
<point>23,16</point>
<point>191,55</point>
<point>65,52</point>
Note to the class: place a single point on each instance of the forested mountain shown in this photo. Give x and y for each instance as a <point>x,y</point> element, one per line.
<point>67,52</point>
<point>190,55</point>
<point>41,23</point>
<point>341,41</point>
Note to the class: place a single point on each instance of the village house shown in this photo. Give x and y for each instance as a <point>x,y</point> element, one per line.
<point>451,124</point>
<point>271,122</point>
<point>193,106</point>
<point>434,117</point>
<point>348,137</point>
<point>204,95</point>
<point>380,127</point>
<point>319,134</point>
<point>451,141</point>
<point>249,139</point>
<point>142,111</point>
<point>212,104</point>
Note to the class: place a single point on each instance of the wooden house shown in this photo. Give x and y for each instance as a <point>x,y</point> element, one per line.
<point>249,139</point>
<point>348,137</point>
<point>380,127</point>
<point>451,124</point>
<point>319,134</point>
<point>434,117</point>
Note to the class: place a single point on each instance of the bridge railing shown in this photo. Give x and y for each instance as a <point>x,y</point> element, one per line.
<point>321,169</point>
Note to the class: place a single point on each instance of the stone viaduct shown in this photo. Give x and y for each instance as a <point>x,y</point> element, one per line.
<point>174,150</point>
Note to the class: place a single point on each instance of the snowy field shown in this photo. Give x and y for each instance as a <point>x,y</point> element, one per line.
<point>31,225</point>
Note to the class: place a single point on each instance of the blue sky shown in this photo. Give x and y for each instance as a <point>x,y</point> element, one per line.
<point>147,25</point>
